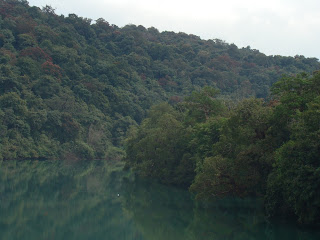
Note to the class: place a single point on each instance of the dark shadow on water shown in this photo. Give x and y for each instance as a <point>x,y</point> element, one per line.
<point>97,200</point>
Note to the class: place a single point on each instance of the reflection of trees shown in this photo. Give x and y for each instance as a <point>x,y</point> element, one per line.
<point>228,219</point>
<point>61,200</point>
<point>160,212</point>
<point>168,213</point>
<point>78,200</point>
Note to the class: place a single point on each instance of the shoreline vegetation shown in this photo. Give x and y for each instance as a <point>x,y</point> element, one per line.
<point>199,114</point>
<point>257,148</point>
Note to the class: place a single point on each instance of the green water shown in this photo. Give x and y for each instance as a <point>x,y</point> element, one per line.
<point>79,200</point>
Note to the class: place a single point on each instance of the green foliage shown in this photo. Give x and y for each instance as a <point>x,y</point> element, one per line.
<point>240,160</point>
<point>25,41</point>
<point>205,135</point>
<point>202,105</point>
<point>293,186</point>
<point>159,147</point>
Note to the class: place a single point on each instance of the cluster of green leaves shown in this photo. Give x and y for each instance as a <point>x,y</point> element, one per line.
<point>72,88</point>
<point>294,184</point>
<point>251,148</point>
<point>159,148</point>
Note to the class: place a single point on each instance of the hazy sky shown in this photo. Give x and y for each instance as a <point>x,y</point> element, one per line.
<point>274,27</point>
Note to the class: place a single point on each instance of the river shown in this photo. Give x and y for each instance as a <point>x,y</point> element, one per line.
<point>97,200</point>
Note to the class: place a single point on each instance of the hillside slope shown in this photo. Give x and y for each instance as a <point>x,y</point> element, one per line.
<point>71,88</point>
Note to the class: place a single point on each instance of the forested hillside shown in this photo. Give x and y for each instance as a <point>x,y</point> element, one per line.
<point>255,148</point>
<point>71,87</point>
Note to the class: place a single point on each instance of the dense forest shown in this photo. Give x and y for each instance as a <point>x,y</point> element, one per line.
<point>71,87</point>
<point>255,148</point>
<point>189,112</point>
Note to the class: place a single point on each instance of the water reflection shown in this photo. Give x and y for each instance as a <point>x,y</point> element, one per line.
<point>79,200</point>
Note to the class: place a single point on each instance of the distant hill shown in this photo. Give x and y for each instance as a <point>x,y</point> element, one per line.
<point>71,88</point>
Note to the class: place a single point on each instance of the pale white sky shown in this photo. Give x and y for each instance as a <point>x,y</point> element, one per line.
<point>274,27</point>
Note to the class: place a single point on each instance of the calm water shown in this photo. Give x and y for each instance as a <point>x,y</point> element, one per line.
<point>72,200</point>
